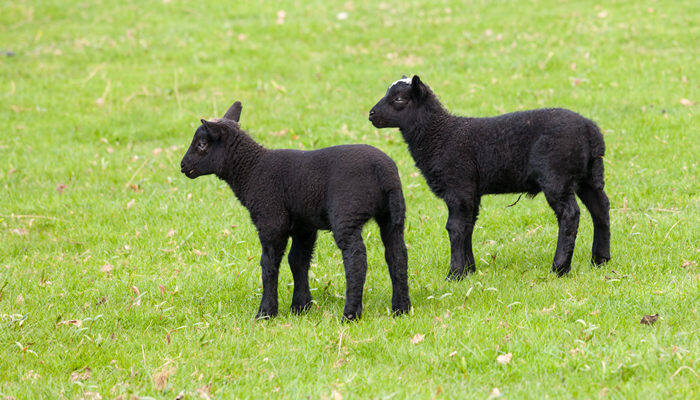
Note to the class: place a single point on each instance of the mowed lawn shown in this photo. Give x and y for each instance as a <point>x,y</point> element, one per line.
<point>121,278</point>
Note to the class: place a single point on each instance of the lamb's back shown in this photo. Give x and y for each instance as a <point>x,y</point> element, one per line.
<point>503,146</point>
<point>312,181</point>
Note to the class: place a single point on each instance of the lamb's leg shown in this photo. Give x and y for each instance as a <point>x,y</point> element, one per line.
<point>397,260</point>
<point>567,212</point>
<point>460,225</point>
<point>299,260</point>
<point>272,252</point>
<point>355,260</point>
<point>596,201</point>
<point>471,261</point>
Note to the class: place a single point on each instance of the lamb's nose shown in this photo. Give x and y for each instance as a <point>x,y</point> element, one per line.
<point>371,112</point>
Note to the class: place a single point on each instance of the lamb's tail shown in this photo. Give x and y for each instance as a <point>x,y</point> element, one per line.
<point>596,168</point>
<point>390,184</point>
<point>397,206</point>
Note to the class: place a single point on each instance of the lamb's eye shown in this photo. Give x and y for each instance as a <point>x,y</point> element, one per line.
<point>202,145</point>
<point>399,99</point>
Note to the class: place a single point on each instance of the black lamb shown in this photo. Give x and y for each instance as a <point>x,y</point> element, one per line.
<point>555,151</point>
<point>296,193</point>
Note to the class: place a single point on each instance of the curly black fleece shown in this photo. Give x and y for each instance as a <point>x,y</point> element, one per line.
<point>291,193</point>
<point>554,151</point>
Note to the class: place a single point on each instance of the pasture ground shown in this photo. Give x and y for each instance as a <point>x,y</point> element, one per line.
<point>119,277</point>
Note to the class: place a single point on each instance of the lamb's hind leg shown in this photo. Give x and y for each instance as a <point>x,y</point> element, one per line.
<point>299,261</point>
<point>596,201</point>
<point>567,212</point>
<point>349,240</point>
<point>397,260</point>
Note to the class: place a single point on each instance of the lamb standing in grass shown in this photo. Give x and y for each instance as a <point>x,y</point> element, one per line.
<point>295,193</point>
<point>555,151</point>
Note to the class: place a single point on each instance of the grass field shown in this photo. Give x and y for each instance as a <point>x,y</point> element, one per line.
<point>121,278</point>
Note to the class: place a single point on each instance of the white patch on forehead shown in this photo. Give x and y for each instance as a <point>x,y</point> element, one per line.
<point>225,121</point>
<point>404,80</point>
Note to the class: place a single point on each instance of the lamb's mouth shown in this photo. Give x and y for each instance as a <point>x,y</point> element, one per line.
<point>378,123</point>
<point>188,172</point>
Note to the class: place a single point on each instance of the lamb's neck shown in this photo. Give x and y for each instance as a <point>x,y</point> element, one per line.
<point>426,137</point>
<point>238,169</point>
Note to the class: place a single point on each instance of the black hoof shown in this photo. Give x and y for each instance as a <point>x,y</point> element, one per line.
<point>400,311</point>
<point>351,317</point>
<point>265,314</point>
<point>301,307</point>
<point>457,275</point>
<point>561,270</point>
<point>401,305</point>
<point>599,260</point>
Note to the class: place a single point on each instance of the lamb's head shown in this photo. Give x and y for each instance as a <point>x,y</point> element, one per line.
<point>207,152</point>
<point>400,104</point>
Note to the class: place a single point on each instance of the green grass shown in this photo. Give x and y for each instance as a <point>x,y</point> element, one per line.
<point>162,272</point>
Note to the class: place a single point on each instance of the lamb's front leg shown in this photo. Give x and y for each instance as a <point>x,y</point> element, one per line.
<point>355,262</point>
<point>272,253</point>
<point>460,225</point>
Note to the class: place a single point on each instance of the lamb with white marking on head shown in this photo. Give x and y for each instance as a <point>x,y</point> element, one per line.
<point>554,151</point>
<point>293,193</point>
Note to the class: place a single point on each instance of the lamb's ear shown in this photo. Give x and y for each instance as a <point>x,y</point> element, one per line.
<point>418,88</point>
<point>234,112</point>
<point>403,77</point>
